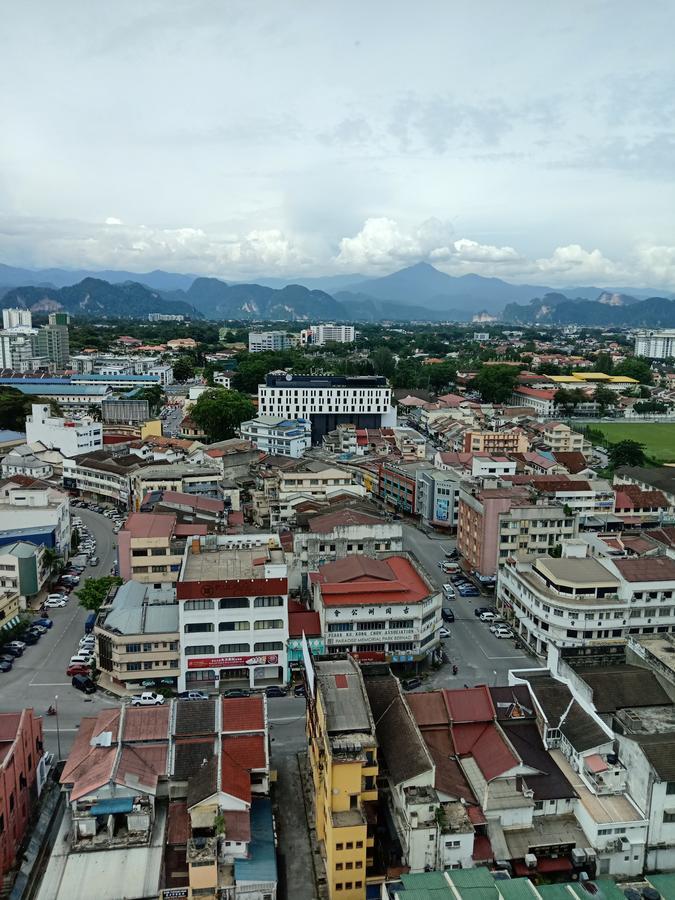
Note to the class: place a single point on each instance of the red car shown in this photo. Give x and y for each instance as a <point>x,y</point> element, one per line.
<point>78,670</point>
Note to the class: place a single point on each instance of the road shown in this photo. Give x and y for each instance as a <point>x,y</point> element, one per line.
<point>40,674</point>
<point>481,658</point>
<point>174,416</point>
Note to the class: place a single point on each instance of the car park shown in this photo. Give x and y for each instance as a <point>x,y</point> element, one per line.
<point>147,698</point>
<point>275,691</point>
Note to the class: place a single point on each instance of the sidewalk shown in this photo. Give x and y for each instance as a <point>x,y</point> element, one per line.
<point>310,814</point>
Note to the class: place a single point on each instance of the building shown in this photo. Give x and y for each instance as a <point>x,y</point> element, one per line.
<point>437,497</point>
<point>278,437</point>
<point>481,336</point>
<point>34,512</point>
<point>223,379</point>
<point>16,318</point>
<point>560,438</point>
<point>23,570</point>
<point>269,341</point>
<point>137,636</point>
<point>328,401</point>
<point>324,334</point>
<point>165,317</point>
<point>343,762</point>
<point>150,548</point>
<point>185,478</point>
<point>124,411</point>
<point>71,437</point>
<point>542,401</point>
<point>123,381</point>
<point>382,609</point>
<point>53,341</point>
<point>581,604</point>
<point>303,625</point>
<point>22,776</point>
<point>23,460</point>
<point>511,440</point>
<point>102,476</point>
<point>495,524</point>
<point>233,602</point>
<point>398,483</point>
<point>655,344</point>
<point>190,510</point>
<point>19,353</point>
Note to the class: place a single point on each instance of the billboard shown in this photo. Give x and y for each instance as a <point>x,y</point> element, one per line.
<point>227,662</point>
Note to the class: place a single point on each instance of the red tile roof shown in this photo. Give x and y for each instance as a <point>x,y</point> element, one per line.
<point>649,568</point>
<point>342,518</point>
<point>428,708</point>
<point>237,825</point>
<point>150,723</point>
<point>142,764</point>
<point>469,705</point>
<point>193,500</point>
<point>247,750</point>
<point>9,725</point>
<point>150,525</point>
<point>359,580</point>
<point>533,392</point>
<point>573,460</point>
<point>190,530</point>
<point>487,746</point>
<point>309,622</point>
<point>242,714</point>
<point>235,780</point>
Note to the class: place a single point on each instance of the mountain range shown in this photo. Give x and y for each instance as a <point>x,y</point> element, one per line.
<point>416,293</point>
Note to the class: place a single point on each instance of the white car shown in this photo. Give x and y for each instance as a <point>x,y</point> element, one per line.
<point>56,596</point>
<point>497,625</point>
<point>444,633</point>
<point>503,632</point>
<point>54,604</point>
<point>487,617</point>
<point>147,698</point>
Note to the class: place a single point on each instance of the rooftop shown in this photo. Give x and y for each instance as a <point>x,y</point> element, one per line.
<point>604,808</point>
<point>360,580</point>
<point>260,865</point>
<point>576,572</point>
<point>660,751</point>
<point>150,525</point>
<point>229,562</point>
<point>242,714</point>
<point>138,608</point>
<point>562,711</point>
<point>344,697</point>
<point>647,569</point>
<point>617,687</point>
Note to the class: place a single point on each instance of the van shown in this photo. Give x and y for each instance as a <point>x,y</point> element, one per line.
<point>84,684</point>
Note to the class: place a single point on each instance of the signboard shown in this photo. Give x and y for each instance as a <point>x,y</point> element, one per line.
<point>309,665</point>
<point>227,662</point>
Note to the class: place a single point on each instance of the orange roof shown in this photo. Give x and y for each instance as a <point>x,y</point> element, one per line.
<point>360,580</point>
<point>306,621</point>
<point>150,525</point>
<point>142,764</point>
<point>150,723</point>
<point>235,780</point>
<point>242,714</point>
<point>247,750</point>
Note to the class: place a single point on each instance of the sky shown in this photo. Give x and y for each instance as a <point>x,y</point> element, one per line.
<point>527,140</point>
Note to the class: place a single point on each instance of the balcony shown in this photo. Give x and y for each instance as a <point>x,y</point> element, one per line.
<point>202,851</point>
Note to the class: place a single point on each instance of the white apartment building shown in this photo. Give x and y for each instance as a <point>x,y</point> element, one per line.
<point>655,344</point>
<point>40,515</point>
<point>18,351</point>
<point>17,318</point>
<point>386,608</point>
<point>262,341</point>
<point>323,334</point>
<point>278,437</point>
<point>328,401</point>
<point>69,436</point>
<point>577,601</point>
<point>223,379</point>
<point>561,439</point>
<point>233,612</point>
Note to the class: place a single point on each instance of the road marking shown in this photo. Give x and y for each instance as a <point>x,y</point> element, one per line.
<point>49,684</point>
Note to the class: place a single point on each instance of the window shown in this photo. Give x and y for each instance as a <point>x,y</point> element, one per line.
<point>339,847</point>
<point>669,816</point>
<point>349,845</point>
<point>192,605</point>
<point>268,601</point>
<point>133,667</point>
<point>199,649</point>
<point>670,787</point>
<point>234,626</point>
<point>196,627</point>
<point>233,603</point>
<point>359,845</point>
<point>267,645</point>
<point>264,624</point>
<point>133,648</point>
<point>234,648</point>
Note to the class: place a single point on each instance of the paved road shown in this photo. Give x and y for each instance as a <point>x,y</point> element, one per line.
<point>40,674</point>
<point>480,656</point>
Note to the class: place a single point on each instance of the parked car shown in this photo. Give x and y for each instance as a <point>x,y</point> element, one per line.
<point>147,698</point>
<point>193,695</point>
<point>6,664</point>
<point>54,604</point>
<point>8,650</point>
<point>29,637</point>
<point>43,621</point>
<point>447,614</point>
<point>487,617</point>
<point>39,628</point>
<point>483,609</point>
<point>299,691</point>
<point>503,631</point>
<point>78,669</point>
<point>237,692</point>
<point>84,683</point>
<point>275,691</point>
<point>411,683</point>
<point>445,633</point>
<point>56,596</point>
<point>469,592</point>
<point>93,560</point>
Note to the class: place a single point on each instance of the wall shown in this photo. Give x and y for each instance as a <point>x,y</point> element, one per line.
<point>18,786</point>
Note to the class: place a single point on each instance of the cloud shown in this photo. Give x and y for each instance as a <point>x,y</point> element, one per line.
<point>112,220</point>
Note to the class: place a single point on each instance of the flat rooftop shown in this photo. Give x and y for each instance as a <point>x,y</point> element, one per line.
<point>576,572</point>
<point>545,830</point>
<point>603,809</point>
<point>659,646</point>
<point>344,698</point>
<point>226,564</point>
<point>541,588</point>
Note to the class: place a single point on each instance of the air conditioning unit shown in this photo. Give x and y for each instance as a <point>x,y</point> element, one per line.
<point>530,861</point>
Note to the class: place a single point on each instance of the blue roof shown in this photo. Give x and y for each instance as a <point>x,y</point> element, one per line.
<point>261,864</point>
<point>14,379</point>
<point>48,390</point>
<point>113,805</point>
<point>12,436</point>
<point>76,379</point>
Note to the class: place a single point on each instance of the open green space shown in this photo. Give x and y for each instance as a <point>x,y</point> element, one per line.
<point>658,438</point>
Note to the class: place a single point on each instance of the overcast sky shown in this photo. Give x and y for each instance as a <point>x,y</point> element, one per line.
<point>533,141</point>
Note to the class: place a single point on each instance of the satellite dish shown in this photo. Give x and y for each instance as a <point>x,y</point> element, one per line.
<point>289,377</point>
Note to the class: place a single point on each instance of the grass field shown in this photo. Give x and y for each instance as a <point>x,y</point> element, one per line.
<point>659,439</point>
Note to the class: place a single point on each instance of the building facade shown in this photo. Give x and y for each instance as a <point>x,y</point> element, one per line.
<point>269,341</point>
<point>324,334</point>
<point>70,437</point>
<point>655,344</point>
<point>278,437</point>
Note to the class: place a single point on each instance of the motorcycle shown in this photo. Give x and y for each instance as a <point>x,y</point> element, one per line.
<point>51,711</point>
<point>455,669</point>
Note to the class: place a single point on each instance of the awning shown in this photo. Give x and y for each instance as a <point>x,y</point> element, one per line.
<point>595,763</point>
<point>13,621</point>
<point>114,805</point>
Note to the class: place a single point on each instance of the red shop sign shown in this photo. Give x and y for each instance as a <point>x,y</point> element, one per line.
<point>226,662</point>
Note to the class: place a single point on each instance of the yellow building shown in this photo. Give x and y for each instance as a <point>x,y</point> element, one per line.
<point>593,379</point>
<point>9,608</point>
<point>343,762</point>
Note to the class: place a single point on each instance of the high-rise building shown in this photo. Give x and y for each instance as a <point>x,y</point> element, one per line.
<point>261,341</point>
<point>324,334</point>
<point>53,340</point>
<point>655,344</point>
<point>17,318</point>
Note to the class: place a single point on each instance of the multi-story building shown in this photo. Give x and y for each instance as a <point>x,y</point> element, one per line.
<point>343,531</point>
<point>150,548</point>
<point>122,381</point>
<point>70,437</point>
<point>16,318</point>
<point>186,478</point>
<point>19,352</point>
<point>60,390</point>
<point>10,607</point>
<point>560,438</point>
<point>398,483</point>
<point>53,341</point>
<point>22,775</point>
<point>268,341</point>
<point>580,604</point>
<point>137,636</point>
<point>233,604</point>
<point>494,524</point>
<point>119,411</point>
<point>37,513</point>
<point>278,437</point>
<point>382,609</point>
<point>165,317</point>
<point>512,440</point>
<point>343,763</point>
<point>223,379</point>
<point>103,476</point>
<point>437,497</point>
<point>328,401</point>
<point>655,344</point>
<point>23,569</point>
<point>542,401</point>
<point>324,334</point>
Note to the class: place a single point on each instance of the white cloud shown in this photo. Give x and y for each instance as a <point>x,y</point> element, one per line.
<point>113,220</point>
<point>574,262</point>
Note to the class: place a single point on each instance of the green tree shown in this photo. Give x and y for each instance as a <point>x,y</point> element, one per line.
<point>644,407</point>
<point>15,406</point>
<point>407,374</point>
<point>568,400</point>
<point>441,375</point>
<point>220,412</point>
<point>95,590</point>
<point>604,363</point>
<point>183,369</point>
<point>155,397</point>
<point>604,397</point>
<point>94,412</point>
<point>635,368</point>
<point>626,453</point>
<point>383,361</point>
<point>495,383</point>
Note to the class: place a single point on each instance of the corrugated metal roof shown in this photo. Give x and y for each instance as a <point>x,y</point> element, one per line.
<point>261,864</point>
<point>516,889</point>
<point>664,884</point>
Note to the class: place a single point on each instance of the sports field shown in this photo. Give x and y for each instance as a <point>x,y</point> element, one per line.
<point>659,439</point>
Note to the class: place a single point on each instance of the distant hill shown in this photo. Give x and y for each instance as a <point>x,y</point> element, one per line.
<point>557,309</point>
<point>11,276</point>
<point>363,308</point>
<point>95,297</point>
<point>216,299</point>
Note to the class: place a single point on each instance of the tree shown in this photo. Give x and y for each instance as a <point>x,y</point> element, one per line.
<point>644,407</point>
<point>604,397</point>
<point>219,412</point>
<point>183,369</point>
<point>155,397</point>
<point>15,406</point>
<point>635,368</point>
<point>496,383</point>
<point>626,453</point>
<point>95,591</point>
<point>94,412</point>
<point>441,375</point>
<point>569,400</point>
<point>383,361</point>
<point>604,363</point>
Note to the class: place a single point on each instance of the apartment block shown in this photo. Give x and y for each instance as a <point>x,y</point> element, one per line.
<point>655,344</point>
<point>437,497</point>
<point>151,546</point>
<point>269,341</point>
<point>23,569</point>
<point>278,437</point>
<point>71,437</point>
<point>512,440</point>
<point>324,334</point>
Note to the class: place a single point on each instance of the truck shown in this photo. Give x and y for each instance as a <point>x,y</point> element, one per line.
<point>147,698</point>
<point>89,624</point>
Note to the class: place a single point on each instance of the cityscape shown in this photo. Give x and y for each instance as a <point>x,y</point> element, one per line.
<point>337,451</point>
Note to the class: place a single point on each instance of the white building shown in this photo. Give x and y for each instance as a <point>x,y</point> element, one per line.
<point>69,436</point>
<point>481,335</point>
<point>233,618</point>
<point>17,318</point>
<point>22,460</point>
<point>18,351</point>
<point>328,401</point>
<point>165,317</point>
<point>40,515</point>
<point>223,379</point>
<point>324,334</point>
<point>278,437</point>
<point>655,344</point>
<point>262,341</point>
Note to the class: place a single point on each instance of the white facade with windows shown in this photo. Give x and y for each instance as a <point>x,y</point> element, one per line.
<point>655,344</point>
<point>323,334</point>
<point>69,436</point>
<point>267,341</point>
<point>223,379</point>
<point>278,437</point>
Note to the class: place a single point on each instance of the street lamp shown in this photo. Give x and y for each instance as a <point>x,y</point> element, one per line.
<point>58,732</point>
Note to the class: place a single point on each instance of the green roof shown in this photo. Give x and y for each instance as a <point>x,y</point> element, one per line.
<point>664,884</point>
<point>516,889</point>
<point>425,881</point>
<point>426,894</point>
<point>471,878</point>
<point>555,892</point>
<point>607,890</point>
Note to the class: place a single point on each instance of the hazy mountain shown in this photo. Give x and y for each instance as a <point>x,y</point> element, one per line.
<point>556,309</point>
<point>159,280</point>
<point>328,283</point>
<point>95,297</point>
<point>216,299</point>
<point>362,308</point>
